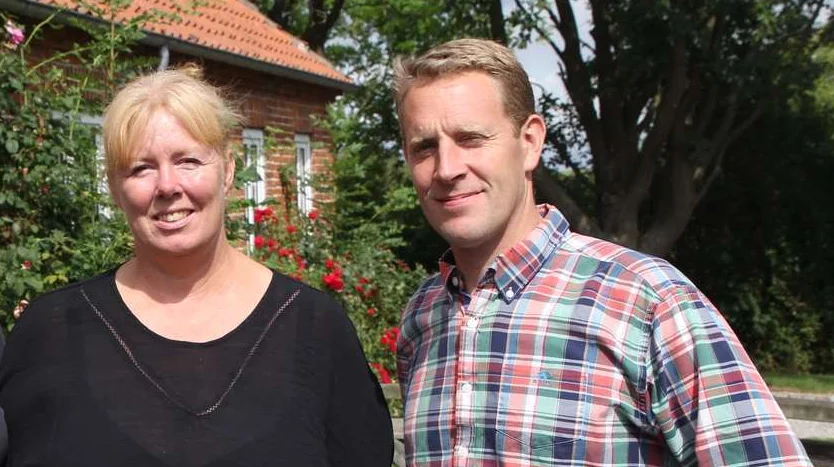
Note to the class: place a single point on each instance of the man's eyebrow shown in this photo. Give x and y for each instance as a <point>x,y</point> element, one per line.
<point>421,140</point>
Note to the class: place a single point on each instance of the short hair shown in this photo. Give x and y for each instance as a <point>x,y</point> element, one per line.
<point>462,55</point>
<point>199,106</point>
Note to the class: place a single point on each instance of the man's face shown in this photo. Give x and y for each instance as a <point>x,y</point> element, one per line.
<point>470,169</point>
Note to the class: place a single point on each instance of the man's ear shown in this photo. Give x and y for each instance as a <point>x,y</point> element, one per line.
<point>532,134</point>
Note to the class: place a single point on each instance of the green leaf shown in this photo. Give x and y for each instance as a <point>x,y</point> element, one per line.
<point>12,146</point>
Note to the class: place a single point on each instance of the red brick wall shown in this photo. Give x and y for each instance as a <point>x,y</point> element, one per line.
<point>264,100</point>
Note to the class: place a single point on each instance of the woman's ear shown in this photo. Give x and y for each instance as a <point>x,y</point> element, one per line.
<point>229,174</point>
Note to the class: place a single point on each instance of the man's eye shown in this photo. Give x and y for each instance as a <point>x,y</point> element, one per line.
<point>471,139</point>
<point>422,151</point>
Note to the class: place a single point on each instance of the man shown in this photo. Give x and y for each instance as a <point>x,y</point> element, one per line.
<point>538,346</point>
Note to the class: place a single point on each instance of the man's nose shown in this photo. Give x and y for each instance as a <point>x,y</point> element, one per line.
<point>451,163</point>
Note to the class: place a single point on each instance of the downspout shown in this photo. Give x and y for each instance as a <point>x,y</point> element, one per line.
<point>164,55</point>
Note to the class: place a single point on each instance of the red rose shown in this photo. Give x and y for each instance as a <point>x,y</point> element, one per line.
<point>363,280</point>
<point>313,215</point>
<point>27,265</point>
<point>371,311</point>
<point>384,376</point>
<point>358,288</point>
<point>272,244</point>
<point>329,263</point>
<point>259,242</point>
<point>389,338</point>
<point>262,214</point>
<point>291,229</point>
<point>300,263</point>
<point>285,252</point>
<point>333,281</point>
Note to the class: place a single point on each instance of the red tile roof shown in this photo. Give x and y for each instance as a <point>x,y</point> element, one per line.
<point>235,27</point>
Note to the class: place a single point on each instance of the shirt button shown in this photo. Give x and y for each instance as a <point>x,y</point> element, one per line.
<point>510,293</point>
<point>472,322</point>
<point>461,450</point>
<point>456,281</point>
<point>466,388</point>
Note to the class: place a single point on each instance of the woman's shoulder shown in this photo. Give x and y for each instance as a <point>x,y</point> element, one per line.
<point>316,304</point>
<point>306,293</point>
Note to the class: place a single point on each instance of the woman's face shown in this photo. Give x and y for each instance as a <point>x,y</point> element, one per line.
<point>173,191</point>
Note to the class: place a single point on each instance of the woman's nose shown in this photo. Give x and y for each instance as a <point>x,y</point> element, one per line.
<point>168,182</point>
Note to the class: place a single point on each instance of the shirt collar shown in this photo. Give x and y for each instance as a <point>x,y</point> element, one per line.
<point>516,267</point>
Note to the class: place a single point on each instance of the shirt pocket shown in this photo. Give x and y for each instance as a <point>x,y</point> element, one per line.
<point>538,418</point>
<point>542,448</point>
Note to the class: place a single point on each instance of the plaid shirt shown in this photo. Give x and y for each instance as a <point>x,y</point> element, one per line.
<point>575,351</point>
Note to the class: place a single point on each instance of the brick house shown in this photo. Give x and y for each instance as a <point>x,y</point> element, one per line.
<point>277,81</point>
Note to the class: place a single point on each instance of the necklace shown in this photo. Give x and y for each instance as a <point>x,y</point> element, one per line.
<point>211,408</point>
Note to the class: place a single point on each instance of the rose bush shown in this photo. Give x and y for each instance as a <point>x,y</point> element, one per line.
<point>368,280</point>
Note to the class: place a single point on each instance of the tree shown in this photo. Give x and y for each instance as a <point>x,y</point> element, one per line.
<point>760,241</point>
<point>656,94</point>
<point>311,21</point>
<point>656,100</point>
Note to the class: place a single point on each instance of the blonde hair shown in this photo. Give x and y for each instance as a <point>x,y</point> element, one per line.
<point>462,55</point>
<point>197,105</point>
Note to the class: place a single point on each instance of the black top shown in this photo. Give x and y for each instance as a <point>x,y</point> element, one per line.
<point>74,395</point>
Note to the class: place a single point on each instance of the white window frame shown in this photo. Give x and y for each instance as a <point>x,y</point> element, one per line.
<point>304,173</point>
<point>102,187</point>
<point>254,191</point>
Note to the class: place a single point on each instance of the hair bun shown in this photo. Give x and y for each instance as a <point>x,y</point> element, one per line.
<point>192,70</point>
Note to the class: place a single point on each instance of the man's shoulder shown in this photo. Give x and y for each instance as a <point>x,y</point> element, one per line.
<point>428,291</point>
<point>656,273</point>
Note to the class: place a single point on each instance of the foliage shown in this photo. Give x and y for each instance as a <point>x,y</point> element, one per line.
<point>657,93</point>
<point>365,277</point>
<point>52,227</point>
<point>760,245</point>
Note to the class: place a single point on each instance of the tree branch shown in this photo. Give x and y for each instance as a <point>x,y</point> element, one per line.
<point>550,190</point>
<point>496,21</point>
<point>322,21</point>
<point>280,13</point>
<point>578,82</point>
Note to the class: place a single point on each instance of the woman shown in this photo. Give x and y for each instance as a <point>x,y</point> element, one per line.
<point>190,353</point>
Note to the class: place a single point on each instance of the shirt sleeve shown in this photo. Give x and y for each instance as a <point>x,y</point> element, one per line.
<point>708,400</point>
<point>404,352</point>
<point>359,429</point>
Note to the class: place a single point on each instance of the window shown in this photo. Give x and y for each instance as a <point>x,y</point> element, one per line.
<point>253,149</point>
<point>304,173</point>
<point>94,123</point>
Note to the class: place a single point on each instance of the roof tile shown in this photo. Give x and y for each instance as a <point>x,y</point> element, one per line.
<point>231,25</point>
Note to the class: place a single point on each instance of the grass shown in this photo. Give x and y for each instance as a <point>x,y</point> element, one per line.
<point>820,384</point>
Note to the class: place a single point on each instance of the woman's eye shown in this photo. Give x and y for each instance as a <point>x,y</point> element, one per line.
<point>191,162</point>
<point>139,169</point>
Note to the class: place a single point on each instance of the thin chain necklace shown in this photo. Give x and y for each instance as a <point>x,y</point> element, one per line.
<point>211,408</point>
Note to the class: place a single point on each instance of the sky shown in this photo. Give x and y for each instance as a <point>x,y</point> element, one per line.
<point>539,59</point>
